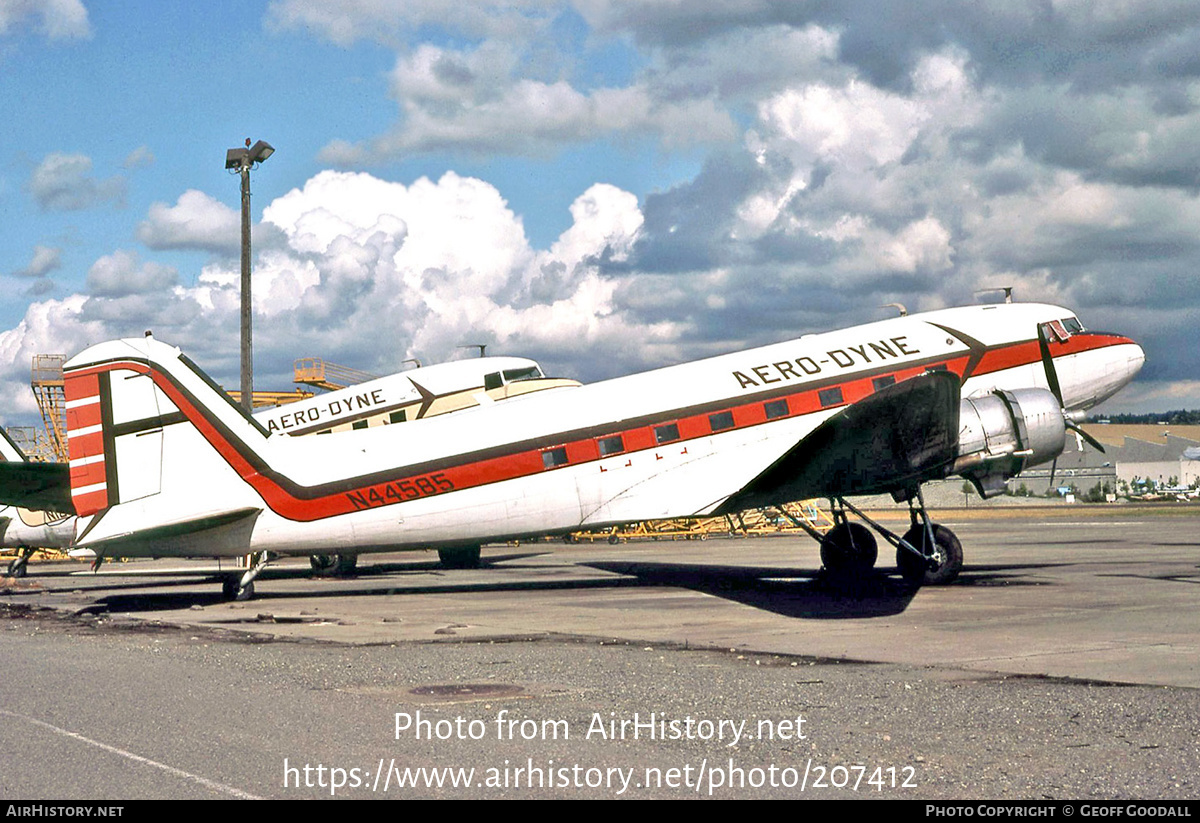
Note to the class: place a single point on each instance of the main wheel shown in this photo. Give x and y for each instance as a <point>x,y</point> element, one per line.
<point>849,547</point>
<point>464,557</point>
<point>947,556</point>
<point>230,587</point>
<point>17,568</point>
<point>321,562</point>
<point>342,565</point>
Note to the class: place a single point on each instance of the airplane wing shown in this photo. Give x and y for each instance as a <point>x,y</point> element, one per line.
<point>903,434</point>
<point>44,486</point>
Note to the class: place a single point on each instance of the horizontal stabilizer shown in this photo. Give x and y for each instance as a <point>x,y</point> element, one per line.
<point>188,527</point>
<point>902,435</point>
<point>45,486</point>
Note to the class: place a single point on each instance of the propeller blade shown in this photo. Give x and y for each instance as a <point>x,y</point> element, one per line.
<point>1053,469</point>
<point>1091,441</point>
<point>1048,364</point>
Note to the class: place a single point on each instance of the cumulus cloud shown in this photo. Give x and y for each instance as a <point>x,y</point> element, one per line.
<point>475,101</point>
<point>346,21</point>
<point>64,182</point>
<point>196,221</point>
<point>121,274</point>
<point>370,272</point>
<point>139,158</point>
<point>45,260</point>
<point>57,19</point>
<point>850,154</point>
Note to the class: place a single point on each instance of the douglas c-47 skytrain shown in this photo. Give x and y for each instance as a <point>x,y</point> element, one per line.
<point>164,465</point>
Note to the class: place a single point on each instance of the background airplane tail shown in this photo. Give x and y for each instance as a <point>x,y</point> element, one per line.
<point>9,452</point>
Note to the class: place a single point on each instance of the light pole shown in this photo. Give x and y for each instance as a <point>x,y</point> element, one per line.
<point>241,160</point>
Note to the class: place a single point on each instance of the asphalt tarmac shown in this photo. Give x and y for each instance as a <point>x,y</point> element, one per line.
<point>1063,664</point>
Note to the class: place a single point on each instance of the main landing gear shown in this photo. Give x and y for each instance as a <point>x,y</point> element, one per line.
<point>333,565</point>
<point>19,565</point>
<point>927,554</point>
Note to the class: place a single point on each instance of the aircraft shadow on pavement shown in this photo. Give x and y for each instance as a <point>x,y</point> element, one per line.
<point>790,592</point>
<point>802,593</point>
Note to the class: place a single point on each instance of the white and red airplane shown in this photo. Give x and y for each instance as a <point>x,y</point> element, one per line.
<point>163,464</point>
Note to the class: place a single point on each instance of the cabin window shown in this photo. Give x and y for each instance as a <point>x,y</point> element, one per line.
<point>883,382</point>
<point>553,458</point>
<point>936,367</point>
<point>830,397</point>
<point>720,421</point>
<point>397,417</point>
<point>776,408</point>
<point>611,445</point>
<point>492,381</point>
<point>358,424</point>
<point>666,433</point>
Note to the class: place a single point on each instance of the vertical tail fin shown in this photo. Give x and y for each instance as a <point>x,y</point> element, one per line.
<point>9,451</point>
<point>154,444</point>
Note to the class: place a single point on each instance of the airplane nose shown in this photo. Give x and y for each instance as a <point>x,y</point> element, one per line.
<point>1136,359</point>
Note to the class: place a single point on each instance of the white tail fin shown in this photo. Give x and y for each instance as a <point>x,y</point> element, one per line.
<point>155,446</point>
<point>8,449</point>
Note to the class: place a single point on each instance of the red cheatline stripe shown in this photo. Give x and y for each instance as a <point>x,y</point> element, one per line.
<point>527,463</point>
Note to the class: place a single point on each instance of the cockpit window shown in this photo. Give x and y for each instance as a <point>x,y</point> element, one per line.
<point>514,375</point>
<point>1072,325</point>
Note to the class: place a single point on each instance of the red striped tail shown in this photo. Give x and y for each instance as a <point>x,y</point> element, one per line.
<point>87,399</point>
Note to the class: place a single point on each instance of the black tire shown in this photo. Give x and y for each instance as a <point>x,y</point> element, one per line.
<point>948,552</point>
<point>343,565</point>
<point>17,569</point>
<point>321,562</point>
<point>230,586</point>
<point>849,547</point>
<point>245,593</point>
<point>464,557</point>
<point>614,539</point>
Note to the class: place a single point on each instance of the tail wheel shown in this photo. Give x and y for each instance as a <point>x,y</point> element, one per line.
<point>849,547</point>
<point>947,557</point>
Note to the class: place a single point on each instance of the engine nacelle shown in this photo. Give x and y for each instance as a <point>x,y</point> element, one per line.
<point>1004,433</point>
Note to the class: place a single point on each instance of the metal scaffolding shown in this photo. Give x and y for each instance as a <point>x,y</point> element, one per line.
<point>313,371</point>
<point>46,378</point>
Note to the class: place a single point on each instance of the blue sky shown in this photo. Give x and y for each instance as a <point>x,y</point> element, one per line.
<point>603,185</point>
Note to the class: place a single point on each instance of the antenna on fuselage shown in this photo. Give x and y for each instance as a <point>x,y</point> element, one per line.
<point>1008,290</point>
<point>900,306</point>
<point>481,346</point>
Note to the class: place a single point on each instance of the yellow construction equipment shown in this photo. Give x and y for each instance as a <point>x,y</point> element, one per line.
<point>313,371</point>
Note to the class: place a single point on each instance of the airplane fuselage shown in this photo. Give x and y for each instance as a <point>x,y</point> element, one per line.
<point>177,472</point>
